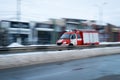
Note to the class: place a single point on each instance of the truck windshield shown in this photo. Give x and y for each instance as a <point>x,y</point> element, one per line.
<point>65,36</point>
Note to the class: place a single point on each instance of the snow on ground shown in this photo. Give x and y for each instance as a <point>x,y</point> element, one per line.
<point>17,60</point>
<point>44,45</point>
<point>19,45</point>
<point>103,43</point>
<point>15,45</point>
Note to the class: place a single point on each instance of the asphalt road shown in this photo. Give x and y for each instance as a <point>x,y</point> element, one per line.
<point>98,68</point>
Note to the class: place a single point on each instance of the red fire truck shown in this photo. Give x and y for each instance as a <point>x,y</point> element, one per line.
<point>79,37</point>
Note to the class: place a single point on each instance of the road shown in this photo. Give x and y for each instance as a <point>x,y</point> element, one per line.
<point>96,68</point>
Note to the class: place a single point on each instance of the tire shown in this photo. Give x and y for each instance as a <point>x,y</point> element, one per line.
<point>70,44</point>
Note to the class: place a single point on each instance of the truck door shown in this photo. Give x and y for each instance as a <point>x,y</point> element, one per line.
<point>73,39</point>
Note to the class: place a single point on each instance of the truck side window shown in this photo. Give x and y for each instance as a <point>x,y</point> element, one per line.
<point>78,36</point>
<point>73,36</point>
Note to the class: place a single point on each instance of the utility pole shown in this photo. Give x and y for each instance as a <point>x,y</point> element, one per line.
<point>101,17</point>
<point>101,12</point>
<point>18,16</point>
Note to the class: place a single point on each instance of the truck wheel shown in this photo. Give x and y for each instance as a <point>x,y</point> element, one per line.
<point>70,44</point>
<point>92,44</point>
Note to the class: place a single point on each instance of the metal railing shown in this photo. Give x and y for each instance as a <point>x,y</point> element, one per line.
<point>11,50</point>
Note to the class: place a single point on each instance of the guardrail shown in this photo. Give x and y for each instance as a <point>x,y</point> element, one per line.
<point>8,50</point>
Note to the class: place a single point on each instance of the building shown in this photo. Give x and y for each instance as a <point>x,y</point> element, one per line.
<point>114,33</point>
<point>17,31</point>
<point>3,37</point>
<point>48,32</point>
<point>31,32</point>
<point>44,33</point>
<point>69,23</point>
<point>107,32</point>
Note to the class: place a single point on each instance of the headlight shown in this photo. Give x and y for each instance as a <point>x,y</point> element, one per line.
<point>64,42</point>
<point>59,41</point>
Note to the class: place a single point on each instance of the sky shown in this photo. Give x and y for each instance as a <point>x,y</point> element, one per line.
<point>106,11</point>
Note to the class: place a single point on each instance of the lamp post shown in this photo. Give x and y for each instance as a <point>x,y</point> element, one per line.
<point>18,16</point>
<point>100,19</point>
<point>100,12</point>
<point>18,10</point>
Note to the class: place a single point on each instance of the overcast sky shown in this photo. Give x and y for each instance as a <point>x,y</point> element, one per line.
<point>41,10</point>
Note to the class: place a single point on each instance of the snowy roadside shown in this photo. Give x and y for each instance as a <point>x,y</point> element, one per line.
<point>19,45</point>
<point>104,43</point>
<point>17,60</point>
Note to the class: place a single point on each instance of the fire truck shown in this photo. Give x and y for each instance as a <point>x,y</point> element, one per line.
<point>79,37</point>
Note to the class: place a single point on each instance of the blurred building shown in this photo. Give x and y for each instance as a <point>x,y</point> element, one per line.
<point>44,33</point>
<point>30,32</point>
<point>48,32</point>
<point>69,23</point>
<point>107,32</point>
<point>3,37</point>
<point>17,31</point>
<point>114,32</point>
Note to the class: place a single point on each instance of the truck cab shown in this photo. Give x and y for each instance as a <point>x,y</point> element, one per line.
<point>70,38</point>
